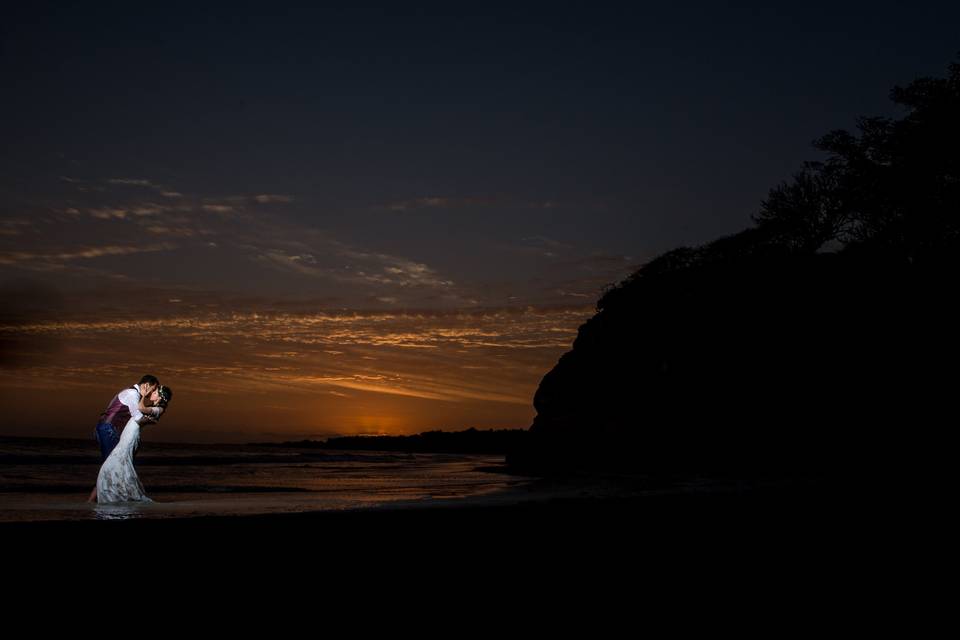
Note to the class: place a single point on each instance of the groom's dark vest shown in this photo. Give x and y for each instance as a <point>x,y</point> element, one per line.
<point>117,413</point>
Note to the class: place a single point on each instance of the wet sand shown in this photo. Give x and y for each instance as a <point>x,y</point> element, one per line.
<point>559,524</point>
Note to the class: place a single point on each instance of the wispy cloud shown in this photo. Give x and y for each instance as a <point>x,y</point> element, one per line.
<point>407,273</point>
<point>248,238</point>
<point>15,226</point>
<point>463,359</point>
<point>18,257</point>
<point>150,209</point>
<point>218,208</point>
<point>162,190</point>
<point>320,256</point>
<point>270,198</point>
<point>84,186</point>
<point>423,388</point>
<point>107,213</point>
<point>300,263</point>
<point>172,231</point>
<point>438,202</point>
<point>134,182</point>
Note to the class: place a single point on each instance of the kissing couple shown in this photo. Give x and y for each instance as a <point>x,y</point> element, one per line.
<point>118,432</point>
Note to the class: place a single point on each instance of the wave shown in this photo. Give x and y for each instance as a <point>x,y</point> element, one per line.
<point>205,460</point>
<point>56,489</point>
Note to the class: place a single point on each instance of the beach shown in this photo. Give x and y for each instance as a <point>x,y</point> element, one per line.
<point>579,514</point>
<point>598,547</point>
<point>437,512</point>
<point>776,557</point>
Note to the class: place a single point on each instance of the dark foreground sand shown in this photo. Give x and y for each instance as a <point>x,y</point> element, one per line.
<point>792,523</point>
<point>777,557</point>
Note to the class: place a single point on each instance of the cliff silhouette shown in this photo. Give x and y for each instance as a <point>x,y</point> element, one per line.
<point>819,341</point>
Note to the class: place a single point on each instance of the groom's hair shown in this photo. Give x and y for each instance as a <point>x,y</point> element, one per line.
<point>148,379</point>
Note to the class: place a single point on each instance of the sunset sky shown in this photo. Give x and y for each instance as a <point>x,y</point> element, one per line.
<point>316,221</point>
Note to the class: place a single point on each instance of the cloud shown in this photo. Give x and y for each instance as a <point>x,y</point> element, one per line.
<point>218,208</point>
<point>408,273</point>
<point>424,389</point>
<point>149,209</point>
<point>15,227</point>
<point>434,202</point>
<point>26,302</point>
<point>317,255</point>
<point>268,199</point>
<point>247,238</point>
<point>294,262</point>
<point>84,186</point>
<point>138,183</point>
<point>492,355</point>
<point>164,191</point>
<point>166,230</point>
<point>18,257</point>
<point>107,213</point>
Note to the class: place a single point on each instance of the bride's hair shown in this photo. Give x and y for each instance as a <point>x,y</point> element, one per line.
<point>165,394</point>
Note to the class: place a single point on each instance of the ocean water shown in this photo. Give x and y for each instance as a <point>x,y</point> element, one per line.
<point>50,479</point>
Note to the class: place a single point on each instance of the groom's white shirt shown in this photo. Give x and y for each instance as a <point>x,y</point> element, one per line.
<point>131,398</point>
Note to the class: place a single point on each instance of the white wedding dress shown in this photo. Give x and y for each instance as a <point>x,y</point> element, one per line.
<point>118,481</point>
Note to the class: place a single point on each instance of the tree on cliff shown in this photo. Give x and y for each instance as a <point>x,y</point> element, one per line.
<point>895,187</point>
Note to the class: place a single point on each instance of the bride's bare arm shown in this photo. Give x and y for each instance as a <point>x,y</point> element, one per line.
<point>149,411</point>
<point>148,418</point>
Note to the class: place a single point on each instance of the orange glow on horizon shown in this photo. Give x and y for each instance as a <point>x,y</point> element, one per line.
<point>256,376</point>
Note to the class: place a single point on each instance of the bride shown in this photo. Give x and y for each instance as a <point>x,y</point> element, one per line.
<point>118,481</point>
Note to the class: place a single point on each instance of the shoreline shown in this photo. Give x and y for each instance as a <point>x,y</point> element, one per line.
<point>778,530</point>
<point>558,498</point>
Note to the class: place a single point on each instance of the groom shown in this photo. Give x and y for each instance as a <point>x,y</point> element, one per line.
<point>122,407</point>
